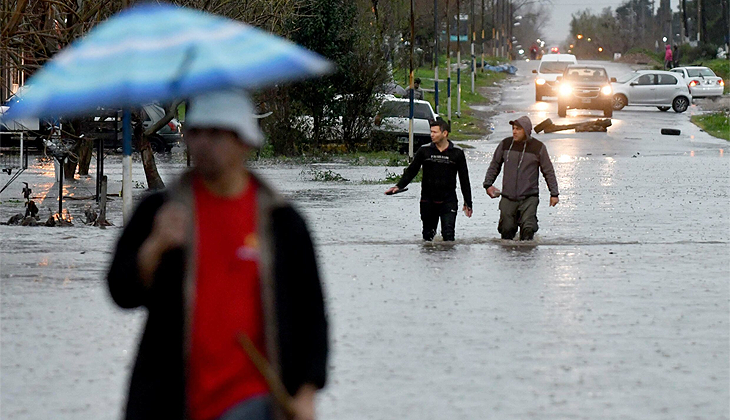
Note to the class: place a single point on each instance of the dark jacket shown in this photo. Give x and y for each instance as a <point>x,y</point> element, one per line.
<point>294,315</point>
<point>522,160</point>
<point>439,174</point>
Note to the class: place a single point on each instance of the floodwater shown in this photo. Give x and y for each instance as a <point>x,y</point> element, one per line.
<point>618,309</point>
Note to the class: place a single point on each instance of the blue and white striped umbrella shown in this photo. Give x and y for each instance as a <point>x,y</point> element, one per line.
<point>159,53</point>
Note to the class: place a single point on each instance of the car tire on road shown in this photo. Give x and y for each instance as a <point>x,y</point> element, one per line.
<point>562,110</point>
<point>663,108</point>
<point>157,144</point>
<point>680,104</point>
<point>619,102</point>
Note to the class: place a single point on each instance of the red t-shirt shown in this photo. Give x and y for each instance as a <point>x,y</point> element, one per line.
<point>227,302</point>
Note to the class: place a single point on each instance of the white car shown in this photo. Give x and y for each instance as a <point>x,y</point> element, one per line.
<point>658,88</point>
<point>392,120</point>
<point>702,81</point>
<point>551,66</point>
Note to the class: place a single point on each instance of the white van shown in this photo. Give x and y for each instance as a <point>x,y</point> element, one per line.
<point>551,66</point>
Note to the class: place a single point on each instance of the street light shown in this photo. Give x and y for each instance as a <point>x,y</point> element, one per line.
<point>600,49</point>
<point>589,40</point>
<point>579,36</point>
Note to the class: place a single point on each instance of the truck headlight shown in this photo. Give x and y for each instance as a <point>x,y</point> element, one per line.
<point>540,81</point>
<point>565,89</point>
<point>606,90</point>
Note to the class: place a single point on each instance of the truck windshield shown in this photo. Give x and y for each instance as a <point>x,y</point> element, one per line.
<point>585,74</point>
<point>401,110</point>
<point>553,66</point>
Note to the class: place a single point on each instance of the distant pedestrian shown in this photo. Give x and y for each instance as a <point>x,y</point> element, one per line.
<point>668,59</point>
<point>218,260</point>
<point>675,56</point>
<point>417,91</point>
<point>523,157</point>
<point>442,162</point>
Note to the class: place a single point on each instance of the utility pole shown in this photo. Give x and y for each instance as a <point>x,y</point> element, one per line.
<point>503,15</point>
<point>482,68</point>
<point>685,32</point>
<point>473,40</point>
<point>494,28</point>
<point>458,58</point>
<point>412,92</point>
<point>700,33</point>
<point>448,60</point>
<point>510,26</point>
<point>436,54</point>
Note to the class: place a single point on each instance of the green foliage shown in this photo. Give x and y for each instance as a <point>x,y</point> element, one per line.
<point>321,175</point>
<point>720,67</point>
<point>346,99</point>
<point>697,55</point>
<point>392,178</point>
<point>716,124</point>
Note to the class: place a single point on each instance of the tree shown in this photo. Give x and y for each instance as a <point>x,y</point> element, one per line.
<point>338,107</point>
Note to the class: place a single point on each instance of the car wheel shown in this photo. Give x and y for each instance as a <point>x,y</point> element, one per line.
<point>619,102</point>
<point>663,108</point>
<point>680,104</point>
<point>562,110</point>
<point>157,145</point>
<point>608,112</point>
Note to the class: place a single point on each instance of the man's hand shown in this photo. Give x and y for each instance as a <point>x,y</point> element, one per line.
<point>392,190</point>
<point>303,403</point>
<point>554,201</point>
<point>493,192</point>
<point>467,211</point>
<point>169,231</point>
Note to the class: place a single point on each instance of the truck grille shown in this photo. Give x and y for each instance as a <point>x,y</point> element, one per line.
<point>586,92</point>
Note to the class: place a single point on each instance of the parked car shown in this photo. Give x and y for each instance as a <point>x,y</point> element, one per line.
<point>702,81</point>
<point>166,137</point>
<point>107,125</point>
<point>391,121</point>
<point>551,66</point>
<point>585,87</point>
<point>658,88</point>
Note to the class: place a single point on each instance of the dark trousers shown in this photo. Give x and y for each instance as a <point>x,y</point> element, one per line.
<point>520,214</point>
<point>430,215</point>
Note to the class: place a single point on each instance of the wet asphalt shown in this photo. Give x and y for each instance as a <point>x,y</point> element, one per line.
<point>618,309</point>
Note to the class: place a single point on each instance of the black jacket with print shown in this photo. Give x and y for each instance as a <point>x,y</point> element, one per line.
<point>439,174</point>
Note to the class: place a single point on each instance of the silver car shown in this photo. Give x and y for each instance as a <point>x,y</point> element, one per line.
<point>661,89</point>
<point>702,81</point>
<point>392,121</point>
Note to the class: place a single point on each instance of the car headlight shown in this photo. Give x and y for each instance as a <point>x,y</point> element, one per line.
<point>565,89</point>
<point>606,90</point>
<point>540,81</point>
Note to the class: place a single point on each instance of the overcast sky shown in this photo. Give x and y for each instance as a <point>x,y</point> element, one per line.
<point>558,27</point>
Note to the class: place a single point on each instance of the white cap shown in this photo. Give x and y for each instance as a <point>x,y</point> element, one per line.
<point>228,110</point>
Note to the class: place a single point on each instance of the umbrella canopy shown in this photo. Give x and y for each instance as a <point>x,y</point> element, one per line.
<point>154,53</point>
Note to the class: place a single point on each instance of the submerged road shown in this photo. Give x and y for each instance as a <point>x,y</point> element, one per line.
<point>618,309</point>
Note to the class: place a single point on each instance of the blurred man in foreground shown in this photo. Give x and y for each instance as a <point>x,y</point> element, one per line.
<point>219,259</point>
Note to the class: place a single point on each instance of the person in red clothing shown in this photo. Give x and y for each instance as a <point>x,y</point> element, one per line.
<point>217,257</point>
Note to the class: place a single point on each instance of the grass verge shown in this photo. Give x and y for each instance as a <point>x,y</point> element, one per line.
<point>721,69</point>
<point>716,124</point>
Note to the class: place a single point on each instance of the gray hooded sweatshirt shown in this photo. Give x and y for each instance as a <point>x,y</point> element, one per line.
<point>522,162</point>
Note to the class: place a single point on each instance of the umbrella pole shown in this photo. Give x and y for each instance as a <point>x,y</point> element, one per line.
<point>127,166</point>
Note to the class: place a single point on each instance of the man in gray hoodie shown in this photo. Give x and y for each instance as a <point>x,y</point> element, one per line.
<point>522,156</point>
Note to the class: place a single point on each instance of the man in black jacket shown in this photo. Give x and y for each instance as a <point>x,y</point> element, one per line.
<point>441,162</point>
<point>522,155</point>
<point>220,259</point>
